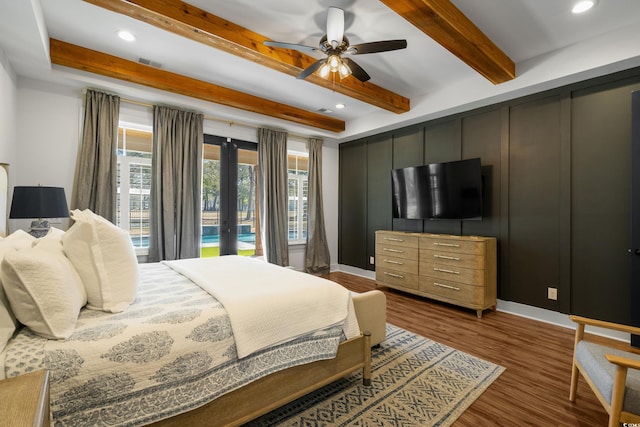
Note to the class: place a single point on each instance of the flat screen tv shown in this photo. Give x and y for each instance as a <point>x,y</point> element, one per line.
<point>450,190</point>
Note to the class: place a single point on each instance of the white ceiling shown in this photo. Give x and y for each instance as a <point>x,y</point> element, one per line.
<point>549,45</point>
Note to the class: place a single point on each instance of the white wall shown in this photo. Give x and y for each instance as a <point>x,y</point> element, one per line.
<point>49,123</point>
<point>49,126</point>
<point>8,129</point>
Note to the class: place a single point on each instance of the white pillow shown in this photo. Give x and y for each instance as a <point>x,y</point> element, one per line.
<point>8,324</point>
<point>51,240</point>
<point>105,259</point>
<point>44,290</point>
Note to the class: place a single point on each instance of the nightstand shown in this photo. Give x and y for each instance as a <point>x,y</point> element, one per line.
<point>24,400</point>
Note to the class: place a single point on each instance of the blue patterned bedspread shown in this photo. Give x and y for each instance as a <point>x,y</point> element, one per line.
<point>170,352</point>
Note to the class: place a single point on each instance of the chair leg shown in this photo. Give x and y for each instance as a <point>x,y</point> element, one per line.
<point>574,382</point>
<point>617,396</point>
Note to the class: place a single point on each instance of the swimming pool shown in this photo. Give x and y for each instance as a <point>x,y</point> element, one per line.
<point>214,240</point>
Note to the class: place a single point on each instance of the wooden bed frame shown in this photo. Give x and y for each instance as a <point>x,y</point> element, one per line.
<point>275,390</point>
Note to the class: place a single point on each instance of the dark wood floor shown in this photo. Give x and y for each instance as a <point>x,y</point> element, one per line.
<point>533,390</point>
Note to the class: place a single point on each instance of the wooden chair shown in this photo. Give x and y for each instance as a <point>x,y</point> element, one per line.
<point>613,374</point>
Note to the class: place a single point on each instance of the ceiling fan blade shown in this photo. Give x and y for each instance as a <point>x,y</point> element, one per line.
<point>335,26</point>
<point>311,69</point>
<point>357,71</point>
<point>291,46</point>
<point>374,47</point>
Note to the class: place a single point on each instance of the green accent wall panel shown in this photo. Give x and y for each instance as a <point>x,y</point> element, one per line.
<point>601,201</point>
<point>352,223</point>
<point>534,202</point>
<point>481,137</point>
<point>379,161</point>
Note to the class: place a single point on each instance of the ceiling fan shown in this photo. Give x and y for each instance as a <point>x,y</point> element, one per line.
<point>336,46</point>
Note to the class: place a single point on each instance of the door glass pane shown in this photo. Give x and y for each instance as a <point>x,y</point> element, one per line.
<point>210,201</point>
<point>247,162</point>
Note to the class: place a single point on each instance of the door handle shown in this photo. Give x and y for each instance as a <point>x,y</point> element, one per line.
<point>635,251</point>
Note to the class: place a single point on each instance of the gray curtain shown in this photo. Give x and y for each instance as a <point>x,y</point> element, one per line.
<point>176,165</point>
<point>317,259</point>
<point>96,186</point>
<point>272,179</point>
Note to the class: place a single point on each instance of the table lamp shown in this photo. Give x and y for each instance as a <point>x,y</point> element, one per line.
<point>39,202</point>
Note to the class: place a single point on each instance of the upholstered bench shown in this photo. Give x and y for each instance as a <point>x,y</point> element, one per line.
<point>371,310</point>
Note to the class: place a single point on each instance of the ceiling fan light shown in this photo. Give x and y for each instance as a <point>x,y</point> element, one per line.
<point>324,71</point>
<point>344,71</point>
<point>334,63</point>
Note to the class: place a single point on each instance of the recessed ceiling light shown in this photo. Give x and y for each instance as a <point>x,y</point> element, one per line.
<point>583,6</point>
<point>126,36</point>
<point>340,105</point>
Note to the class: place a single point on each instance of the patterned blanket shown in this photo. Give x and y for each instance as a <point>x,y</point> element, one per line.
<point>171,351</point>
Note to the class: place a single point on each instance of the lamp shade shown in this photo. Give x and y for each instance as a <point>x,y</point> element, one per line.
<point>39,202</point>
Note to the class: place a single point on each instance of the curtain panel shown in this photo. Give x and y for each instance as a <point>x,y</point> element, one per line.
<point>96,186</point>
<point>317,259</point>
<point>176,165</point>
<point>272,179</point>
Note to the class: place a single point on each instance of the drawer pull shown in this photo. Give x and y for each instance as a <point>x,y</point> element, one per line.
<point>442,285</point>
<point>393,250</point>
<point>450,245</point>
<point>442,270</point>
<point>390,261</point>
<point>452,258</point>
<point>398,276</point>
<point>393,239</point>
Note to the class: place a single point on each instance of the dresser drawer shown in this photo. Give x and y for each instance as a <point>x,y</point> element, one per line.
<point>406,265</point>
<point>456,274</point>
<point>465,246</point>
<point>397,239</point>
<point>396,278</point>
<point>386,250</point>
<point>452,259</point>
<point>459,292</point>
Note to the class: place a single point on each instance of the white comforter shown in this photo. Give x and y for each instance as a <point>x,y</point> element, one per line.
<point>281,305</point>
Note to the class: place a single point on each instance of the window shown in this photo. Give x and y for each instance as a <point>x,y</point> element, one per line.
<point>134,184</point>
<point>298,167</point>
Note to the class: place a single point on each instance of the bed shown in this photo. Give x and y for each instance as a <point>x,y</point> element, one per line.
<point>171,353</point>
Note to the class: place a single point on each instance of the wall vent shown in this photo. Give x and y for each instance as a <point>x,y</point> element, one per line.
<point>149,62</point>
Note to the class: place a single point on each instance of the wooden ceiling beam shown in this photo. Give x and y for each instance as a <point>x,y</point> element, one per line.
<point>448,26</point>
<point>199,25</point>
<point>81,58</point>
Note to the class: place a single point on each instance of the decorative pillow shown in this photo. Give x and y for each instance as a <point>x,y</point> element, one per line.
<point>8,324</point>
<point>44,290</point>
<point>7,320</point>
<point>105,259</point>
<point>52,240</point>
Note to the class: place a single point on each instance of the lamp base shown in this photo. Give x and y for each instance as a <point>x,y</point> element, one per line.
<point>39,228</point>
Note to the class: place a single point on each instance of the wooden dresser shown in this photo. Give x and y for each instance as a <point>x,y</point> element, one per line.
<point>459,270</point>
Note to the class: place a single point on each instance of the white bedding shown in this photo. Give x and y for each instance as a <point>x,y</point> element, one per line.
<point>169,352</point>
<point>282,304</point>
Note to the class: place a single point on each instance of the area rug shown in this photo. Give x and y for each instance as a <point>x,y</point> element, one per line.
<point>415,382</point>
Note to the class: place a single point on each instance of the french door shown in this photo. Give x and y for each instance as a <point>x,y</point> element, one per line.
<point>229,195</point>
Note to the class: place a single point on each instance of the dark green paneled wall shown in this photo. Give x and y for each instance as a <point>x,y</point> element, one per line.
<point>557,172</point>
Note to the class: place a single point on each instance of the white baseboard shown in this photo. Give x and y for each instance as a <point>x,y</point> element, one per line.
<point>517,309</point>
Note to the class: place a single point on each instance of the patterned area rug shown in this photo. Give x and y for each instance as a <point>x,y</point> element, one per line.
<point>415,382</point>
